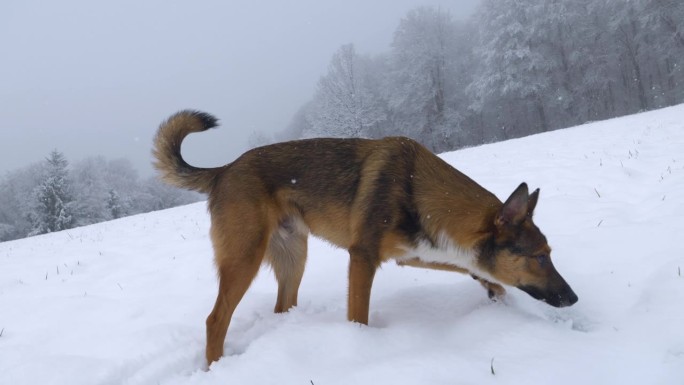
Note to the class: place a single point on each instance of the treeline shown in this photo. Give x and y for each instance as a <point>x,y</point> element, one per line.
<point>515,68</point>
<point>51,196</point>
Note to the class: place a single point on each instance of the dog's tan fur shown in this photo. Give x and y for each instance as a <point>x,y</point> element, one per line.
<point>379,199</point>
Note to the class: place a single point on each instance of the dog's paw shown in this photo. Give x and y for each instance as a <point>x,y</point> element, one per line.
<point>495,292</point>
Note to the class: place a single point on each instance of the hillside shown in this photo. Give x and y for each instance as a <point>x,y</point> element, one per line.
<point>124,302</point>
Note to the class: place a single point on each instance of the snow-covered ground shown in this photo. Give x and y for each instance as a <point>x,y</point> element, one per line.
<point>124,302</point>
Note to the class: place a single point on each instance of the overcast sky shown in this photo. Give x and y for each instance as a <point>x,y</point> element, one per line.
<point>96,78</point>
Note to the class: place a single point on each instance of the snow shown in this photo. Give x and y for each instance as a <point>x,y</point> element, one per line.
<point>124,302</point>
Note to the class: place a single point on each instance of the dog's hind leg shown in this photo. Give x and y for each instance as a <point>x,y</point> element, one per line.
<point>240,242</point>
<point>287,256</point>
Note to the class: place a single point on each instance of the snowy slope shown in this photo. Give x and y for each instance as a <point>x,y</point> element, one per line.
<point>124,302</point>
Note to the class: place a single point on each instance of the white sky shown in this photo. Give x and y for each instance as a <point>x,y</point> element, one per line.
<point>96,78</point>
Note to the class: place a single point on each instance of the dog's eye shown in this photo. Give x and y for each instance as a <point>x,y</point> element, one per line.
<point>542,259</point>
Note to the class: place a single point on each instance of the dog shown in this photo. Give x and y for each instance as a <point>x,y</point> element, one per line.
<point>385,199</point>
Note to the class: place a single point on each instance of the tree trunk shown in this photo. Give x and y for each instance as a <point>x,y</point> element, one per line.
<point>542,114</point>
<point>641,92</point>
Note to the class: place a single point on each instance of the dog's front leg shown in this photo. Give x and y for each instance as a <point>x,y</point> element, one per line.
<point>494,290</point>
<point>416,262</point>
<point>362,266</point>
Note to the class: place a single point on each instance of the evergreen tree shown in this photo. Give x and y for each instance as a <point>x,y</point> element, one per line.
<point>514,69</point>
<point>52,210</point>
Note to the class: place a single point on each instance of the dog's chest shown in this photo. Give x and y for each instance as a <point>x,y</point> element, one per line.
<point>445,252</point>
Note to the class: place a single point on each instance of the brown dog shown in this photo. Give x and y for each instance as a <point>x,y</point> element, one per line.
<point>380,199</point>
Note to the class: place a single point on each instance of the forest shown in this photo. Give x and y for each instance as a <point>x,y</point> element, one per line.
<point>514,68</point>
<point>53,195</point>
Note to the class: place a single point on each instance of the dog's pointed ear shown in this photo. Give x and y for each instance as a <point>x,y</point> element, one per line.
<point>515,209</point>
<point>532,202</point>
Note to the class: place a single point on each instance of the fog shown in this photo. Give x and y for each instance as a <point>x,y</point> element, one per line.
<point>97,78</point>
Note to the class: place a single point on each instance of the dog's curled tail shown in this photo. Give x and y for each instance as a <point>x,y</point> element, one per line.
<point>167,151</point>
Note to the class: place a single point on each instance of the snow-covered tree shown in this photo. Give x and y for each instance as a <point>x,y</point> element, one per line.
<point>425,76</point>
<point>51,195</point>
<point>516,67</point>
<point>514,71</point>
<point>646,39</point>
<point>593,63</point>
<point>116,210</point>
<point>90,189</point>
<point>156,195</point>
<point>17,199</point>
<point>52,209</point>
<point>299,125</point>
<point>94,179</point>
<point>662,34</point>
<point>344,104</point>
<point>627,30</point>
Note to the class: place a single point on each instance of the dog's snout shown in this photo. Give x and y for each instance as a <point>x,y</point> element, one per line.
<point>568,298</point>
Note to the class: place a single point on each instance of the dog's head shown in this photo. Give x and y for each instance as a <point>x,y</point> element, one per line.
<point>519,255</point>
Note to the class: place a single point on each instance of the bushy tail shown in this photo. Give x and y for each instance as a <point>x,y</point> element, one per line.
<point>167,151</point>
